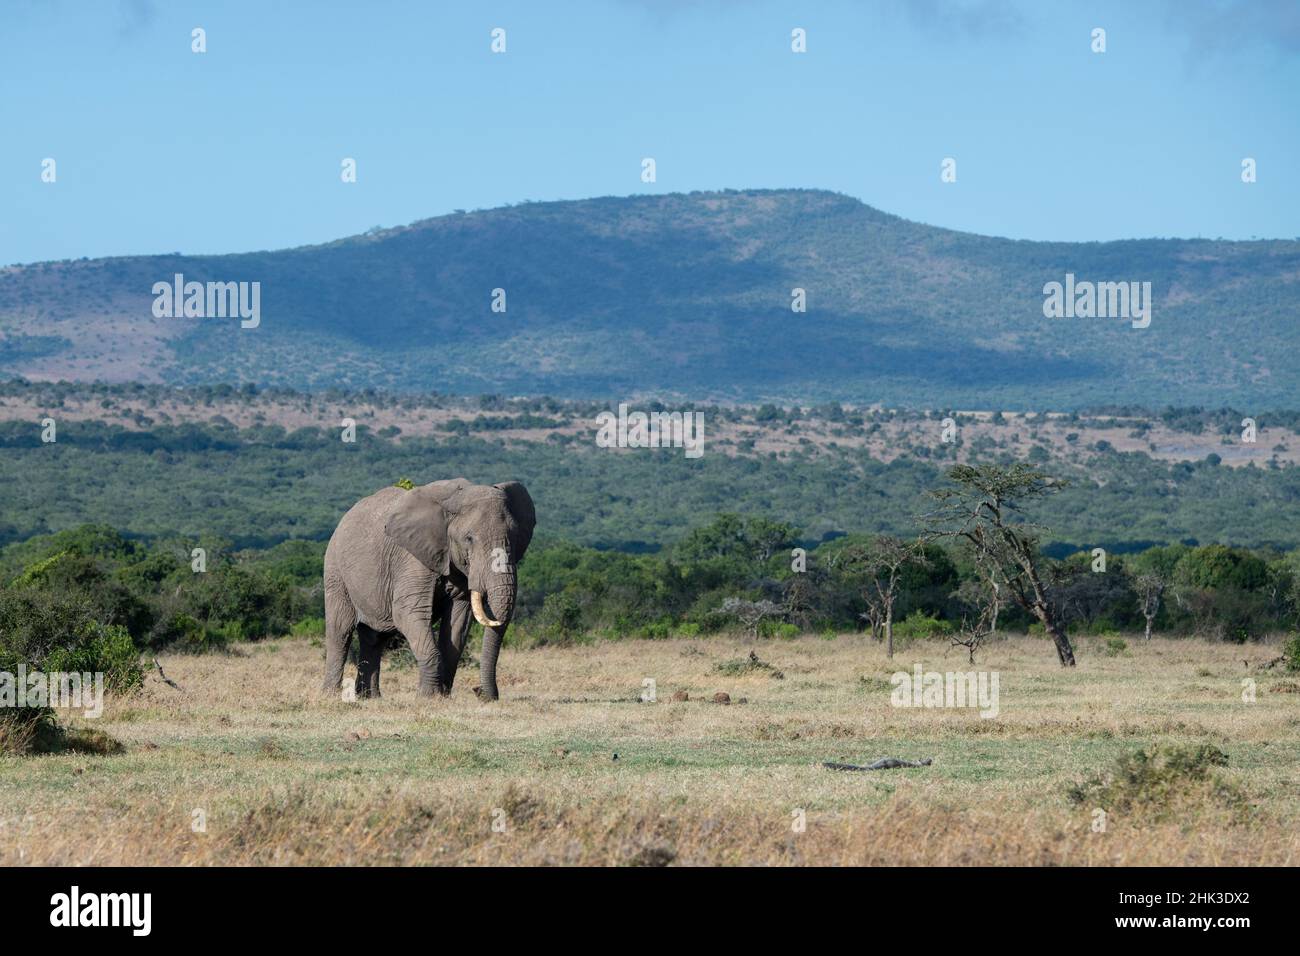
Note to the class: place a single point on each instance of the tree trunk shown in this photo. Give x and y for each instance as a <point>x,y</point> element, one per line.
<point>889,632</point>
<point>1042,610</point>
<point>1063,649</point>
<point>1150,618</point>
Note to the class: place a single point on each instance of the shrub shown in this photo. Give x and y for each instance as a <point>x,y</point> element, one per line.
<point>101,648</point>
<point>782,629</point>
<point>1291,653</point>
<point>243,604</point>
<point>46,631</point>
<point>73,572</point>
<point>1159,781</point>
<point>181,631</point>
<point>920,625</point>
<point>741,666</point>
<point>559,621</point>
<point>657,630</point>
<point>308,627</point>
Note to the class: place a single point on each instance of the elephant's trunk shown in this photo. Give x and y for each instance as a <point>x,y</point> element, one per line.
<point>502,599</point>
<point>487,667</point>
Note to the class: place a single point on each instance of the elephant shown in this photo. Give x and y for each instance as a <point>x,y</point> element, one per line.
<point>401,559</point>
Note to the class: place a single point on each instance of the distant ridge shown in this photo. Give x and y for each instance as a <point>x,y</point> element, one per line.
<point>687,295</point>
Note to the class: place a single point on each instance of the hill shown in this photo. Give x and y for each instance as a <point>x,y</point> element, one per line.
<point>687,296</point>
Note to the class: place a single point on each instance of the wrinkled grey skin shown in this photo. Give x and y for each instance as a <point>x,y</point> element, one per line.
<point>401,561</point>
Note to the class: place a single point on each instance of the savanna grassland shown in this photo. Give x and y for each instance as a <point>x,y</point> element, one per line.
<point>286,777</point>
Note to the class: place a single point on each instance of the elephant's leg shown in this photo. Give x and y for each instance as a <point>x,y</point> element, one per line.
<point>340,618</point>
<point>453,632</point>
<point>416,626</point>
<point>370,650</point>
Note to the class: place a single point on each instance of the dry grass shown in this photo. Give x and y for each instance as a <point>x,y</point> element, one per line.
<point>282,776</point>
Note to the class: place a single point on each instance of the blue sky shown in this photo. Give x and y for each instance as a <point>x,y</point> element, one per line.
<point>159,149</point>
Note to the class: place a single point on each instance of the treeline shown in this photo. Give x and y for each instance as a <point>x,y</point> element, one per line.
<point>262,485</point>
<point>1194,419</point>
<point>1214,591</point>
<point>165,594</point>
<point>204,595</point>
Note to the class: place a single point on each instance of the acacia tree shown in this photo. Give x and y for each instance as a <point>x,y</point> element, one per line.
<point>983,510</point>
<point>879,565</point>
<point>750,614</point>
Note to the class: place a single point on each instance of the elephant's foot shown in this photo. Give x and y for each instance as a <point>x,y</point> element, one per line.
<point>436,690</point>
<point>484,695</point>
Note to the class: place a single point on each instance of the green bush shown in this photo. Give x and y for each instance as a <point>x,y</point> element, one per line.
<point>560,620</point>
<point>242,603</point>
<point>179,630</point>
<point>919,625</point>
<point>48,632</point>
<point>1291,653</point>
<point>782,629</point>
<point>1160,781</point>
<point>308,627</point>
<point>657,630</point>
<point>101,648</point>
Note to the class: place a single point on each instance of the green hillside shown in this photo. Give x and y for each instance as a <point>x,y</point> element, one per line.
<point>688,295</point>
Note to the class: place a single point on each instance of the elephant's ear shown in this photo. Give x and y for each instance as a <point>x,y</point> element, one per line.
<point>520,504</point>
<point>418,524</point>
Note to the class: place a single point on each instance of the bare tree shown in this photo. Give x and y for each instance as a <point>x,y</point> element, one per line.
<point>800,596</point>
<point>880,564</point>
<point>983,509</point>
<point>750,614</point>
<point>1150,586</point>
<point>972,634</point>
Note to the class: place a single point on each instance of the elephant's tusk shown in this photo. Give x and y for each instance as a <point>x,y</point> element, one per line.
<point>476,602</point>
